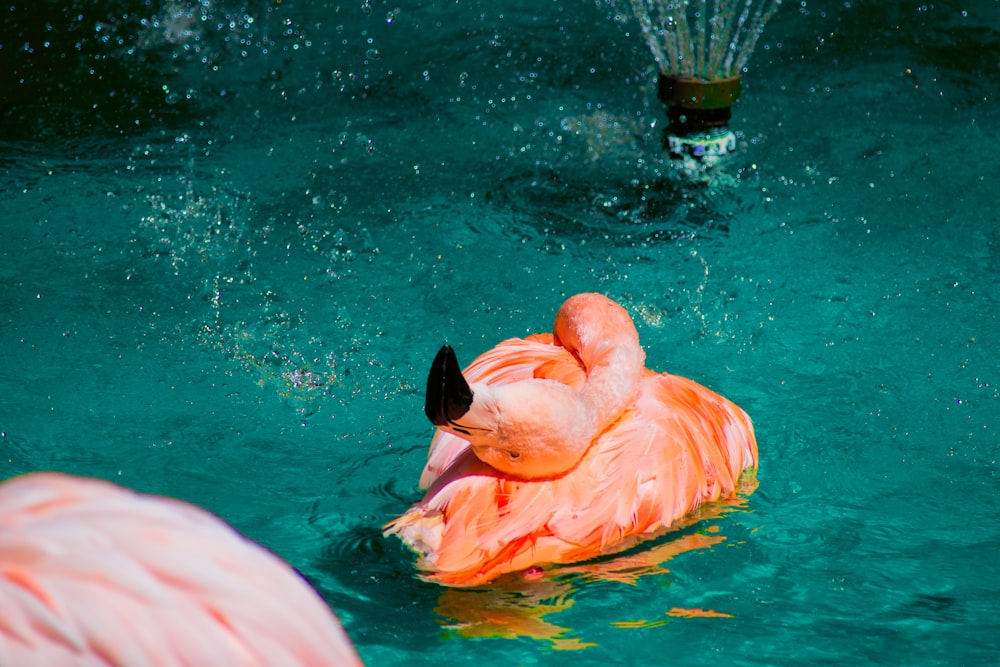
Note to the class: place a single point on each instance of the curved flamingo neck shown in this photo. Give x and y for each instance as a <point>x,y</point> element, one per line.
<point>540,428</point>
<point>602,335</point>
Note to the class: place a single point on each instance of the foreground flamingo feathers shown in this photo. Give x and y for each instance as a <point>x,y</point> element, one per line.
<point>94,574</point>
<point>675,446</point>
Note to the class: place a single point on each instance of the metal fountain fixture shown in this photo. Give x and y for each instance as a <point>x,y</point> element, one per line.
<point>702,48</point>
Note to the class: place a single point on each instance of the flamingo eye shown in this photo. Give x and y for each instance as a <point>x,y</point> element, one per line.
<point>513,455</point>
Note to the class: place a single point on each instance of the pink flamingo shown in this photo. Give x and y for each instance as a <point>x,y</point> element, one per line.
<point>561,447</point>
<point>95,574</point>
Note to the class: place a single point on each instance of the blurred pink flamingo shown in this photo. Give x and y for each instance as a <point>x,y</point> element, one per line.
<point>95,574</point>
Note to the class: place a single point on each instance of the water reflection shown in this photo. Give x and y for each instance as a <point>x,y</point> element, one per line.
<point>518,604</point>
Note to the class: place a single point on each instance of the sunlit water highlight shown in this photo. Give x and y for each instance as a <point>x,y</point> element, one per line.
<point>224,282</point>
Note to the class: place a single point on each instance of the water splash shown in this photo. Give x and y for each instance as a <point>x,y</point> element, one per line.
<point>701,39</point>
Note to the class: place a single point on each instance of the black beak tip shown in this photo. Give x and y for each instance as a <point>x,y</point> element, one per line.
<point>448,394</point>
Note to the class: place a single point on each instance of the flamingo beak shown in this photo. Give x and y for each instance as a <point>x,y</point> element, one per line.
<point>448,394</point>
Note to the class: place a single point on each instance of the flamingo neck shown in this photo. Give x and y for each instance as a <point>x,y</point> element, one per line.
<point>602,335</point>
<point>542,428</point>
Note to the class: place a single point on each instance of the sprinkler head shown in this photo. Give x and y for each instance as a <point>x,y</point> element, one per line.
<point>699,111</point>
<point>698,93</point>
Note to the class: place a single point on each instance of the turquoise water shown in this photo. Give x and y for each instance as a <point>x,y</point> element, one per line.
<point>233,237</point>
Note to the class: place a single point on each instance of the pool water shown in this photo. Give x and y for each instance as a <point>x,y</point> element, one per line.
<point>234,235</point>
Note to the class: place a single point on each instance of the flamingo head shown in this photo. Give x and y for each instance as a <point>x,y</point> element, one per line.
<point>531,429</point>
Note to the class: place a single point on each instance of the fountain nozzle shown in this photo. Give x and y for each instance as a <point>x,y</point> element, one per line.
<point>699,111</point>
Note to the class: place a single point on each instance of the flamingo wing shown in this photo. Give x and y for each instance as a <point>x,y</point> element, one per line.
<point>678,446</point>
<point>94,574</point>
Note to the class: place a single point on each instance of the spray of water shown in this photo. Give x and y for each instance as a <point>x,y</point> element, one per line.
<point>701,39</point>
